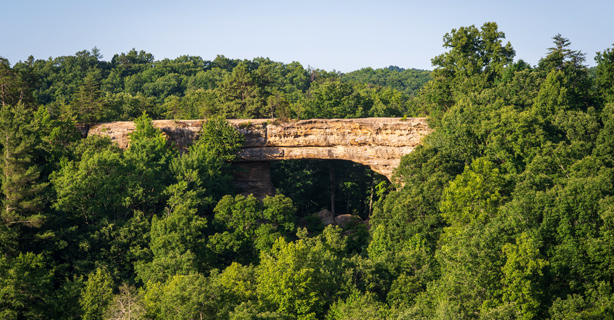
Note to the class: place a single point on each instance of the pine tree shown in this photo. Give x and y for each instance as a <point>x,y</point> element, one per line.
<point>87,105</point>
<point>22,199</point>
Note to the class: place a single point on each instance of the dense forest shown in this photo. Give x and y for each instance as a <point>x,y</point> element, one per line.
<point>506,210</point>
<point>85,89</point>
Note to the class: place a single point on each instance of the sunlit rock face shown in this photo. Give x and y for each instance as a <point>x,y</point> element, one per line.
<point>375,142</point>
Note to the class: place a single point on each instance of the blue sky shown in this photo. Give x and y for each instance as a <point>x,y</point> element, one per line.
<point>329,35</point>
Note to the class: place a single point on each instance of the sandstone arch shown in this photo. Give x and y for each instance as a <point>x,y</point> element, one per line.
<point>379,143</point>
<point>375,142</point>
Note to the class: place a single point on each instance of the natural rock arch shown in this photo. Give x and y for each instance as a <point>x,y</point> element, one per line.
<point>375,142</point>
<point>379,143</point>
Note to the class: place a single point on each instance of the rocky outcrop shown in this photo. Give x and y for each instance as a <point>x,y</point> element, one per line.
<point>376,142</point>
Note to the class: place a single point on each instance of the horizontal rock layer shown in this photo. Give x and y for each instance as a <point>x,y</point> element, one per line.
<point>376,142</point>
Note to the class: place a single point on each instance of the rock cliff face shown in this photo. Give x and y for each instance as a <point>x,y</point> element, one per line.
<point>376,142</point>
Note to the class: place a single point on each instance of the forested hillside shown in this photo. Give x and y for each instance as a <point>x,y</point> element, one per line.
<point>407,81</point>
<point>506,210</point>
<point>86,89</point>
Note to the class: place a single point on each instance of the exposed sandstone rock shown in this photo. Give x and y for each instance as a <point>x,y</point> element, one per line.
<point>325,216</point>
<point>342,220</point>
<point>345,220</point>
<point>376,142</point>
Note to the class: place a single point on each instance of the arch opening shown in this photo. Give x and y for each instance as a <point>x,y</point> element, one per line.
<point>342,187</point>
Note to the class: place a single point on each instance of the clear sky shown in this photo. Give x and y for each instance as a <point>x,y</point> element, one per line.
<point>329,34</point>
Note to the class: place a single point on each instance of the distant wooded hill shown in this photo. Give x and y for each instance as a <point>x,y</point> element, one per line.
<point>408,81</point>
<point>87,89</point>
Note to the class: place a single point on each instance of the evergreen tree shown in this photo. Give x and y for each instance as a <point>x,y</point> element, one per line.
<point>87,105</point>
<point>23,198</point>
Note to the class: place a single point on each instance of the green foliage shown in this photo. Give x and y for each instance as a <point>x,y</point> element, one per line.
<point>302,278</point>
<point>597,304</point>
<point>87,105</point>
<point>14,86</point>
<point>474,52</point>
<point>65,298</point>
<point>148,160</point>
<point>605,70</point>
<point>358,306</point>
<point>605,140</point>
<point>177,243</point>
<point>517,222</point>
<point>86,89</point>
<point>92,188</point>
<point>240,93</point>
<point>331,99</point>
<point>413,210</point>
<point>108,184</point>
<point>248,226</point>
<point>97,294</point>
<point>196,296</point>
<point>522,272</point>
<point>181,297</point>
<point>476,61</point>
<point>206,165</point>
<point>25,284</point>
<point>474,196</point>
<point>407,81</point>
<point>22,184</point>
